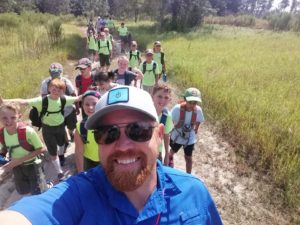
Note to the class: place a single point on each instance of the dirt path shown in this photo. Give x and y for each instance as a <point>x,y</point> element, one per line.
<point>242,195</point>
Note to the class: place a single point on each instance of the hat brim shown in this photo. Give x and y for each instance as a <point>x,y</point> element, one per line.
<point>91,123</point>
<point>193,98</point>
<point>81,67</point>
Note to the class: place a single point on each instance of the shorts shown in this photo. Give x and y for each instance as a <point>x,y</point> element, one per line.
<point>124,39</point>
<point>29,179</point>
<point>89,164</point>
<point>71,120</point>
<point>53,136</point>
<point>188,149</point>
<point>104,60</point>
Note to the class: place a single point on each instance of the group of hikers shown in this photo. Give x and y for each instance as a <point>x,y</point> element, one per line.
<point>123,138</point>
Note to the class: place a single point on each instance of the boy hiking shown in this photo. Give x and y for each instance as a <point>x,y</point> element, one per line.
<point>92,46</point>
<point>161,96</point>
<point>86,148</point>
<point>105,52</point>
<point>86,79</point>
<point>123,34</point>
<point>56,72</point>
<point>51,112</point>
<point>22,145</point>
<point>134,56</point>
<point>150,71</point>
<point>187,117</point>
<point>159,58</point>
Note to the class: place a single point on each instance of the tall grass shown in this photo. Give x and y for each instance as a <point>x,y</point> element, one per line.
<point>27,50</point>
<point>250,83</point>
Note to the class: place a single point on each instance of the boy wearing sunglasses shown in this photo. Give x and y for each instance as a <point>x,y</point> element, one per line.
<point>130,186</point>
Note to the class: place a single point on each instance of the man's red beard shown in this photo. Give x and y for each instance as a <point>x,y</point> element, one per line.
<point>126,181</point>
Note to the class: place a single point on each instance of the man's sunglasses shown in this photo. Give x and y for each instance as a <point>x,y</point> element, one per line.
<point>137,131</point>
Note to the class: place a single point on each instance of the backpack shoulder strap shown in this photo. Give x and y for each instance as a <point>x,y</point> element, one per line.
<point>107,43</point>
<point>78,81</point>
<point>164,116</point>
<point>154,66</point>
<point>22,138</point>
<point>144,66</point>
<point>138,54</point>
<point>63,103</point>
<point>194,117</point>
<point>2,142</point>
<point>181,115</point>
<point>99,44</point>
<point>83,131</point>
<point>130,55</point>
<point>44,106</point>
<point>162,58</point>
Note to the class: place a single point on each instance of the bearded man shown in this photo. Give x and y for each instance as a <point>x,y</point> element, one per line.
<point>130,186</point>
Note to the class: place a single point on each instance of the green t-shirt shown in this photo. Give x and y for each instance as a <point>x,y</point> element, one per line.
<point>110,23</point>
<point>104,47</point>
<point>134,61</point>
<point>123,31</point>
<point>168,128</point>
<point>53,119</point>
<point>19,152</point>
<point>91,147</point>
<point>149,75</point>
<point>157,59</point>
<point>92,43</point>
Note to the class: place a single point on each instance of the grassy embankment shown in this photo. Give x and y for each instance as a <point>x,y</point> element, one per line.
<point>250,82</point>
<point>27,50</point>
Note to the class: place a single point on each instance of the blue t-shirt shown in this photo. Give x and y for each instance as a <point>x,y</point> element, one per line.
<point>89,198</point>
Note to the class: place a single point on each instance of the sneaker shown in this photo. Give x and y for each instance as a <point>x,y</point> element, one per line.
<point>62,160</point>
<point>61,177</point>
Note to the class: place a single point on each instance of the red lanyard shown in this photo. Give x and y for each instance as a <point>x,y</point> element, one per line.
<point>157,219</point>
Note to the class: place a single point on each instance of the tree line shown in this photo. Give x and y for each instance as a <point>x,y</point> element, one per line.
<point>174,14</point>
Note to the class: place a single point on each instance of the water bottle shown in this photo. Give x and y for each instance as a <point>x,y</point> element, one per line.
<point>164,77</point>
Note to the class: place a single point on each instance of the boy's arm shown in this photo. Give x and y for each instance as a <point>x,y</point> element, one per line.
<point>79,150</point>
<point>138,74</point>
<point>12,217</point>
<point>20,101</point>
<point>166,143</point>
<point>16,162</point>
<point>197,127</point>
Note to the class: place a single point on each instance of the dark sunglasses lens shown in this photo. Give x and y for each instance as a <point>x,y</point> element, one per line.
<point>138,132</point>
<point>106,135</point>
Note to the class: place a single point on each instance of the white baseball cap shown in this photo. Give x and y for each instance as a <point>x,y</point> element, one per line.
<point>122,97</point>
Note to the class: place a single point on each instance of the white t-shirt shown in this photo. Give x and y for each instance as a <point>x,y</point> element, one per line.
<point>189,137</point>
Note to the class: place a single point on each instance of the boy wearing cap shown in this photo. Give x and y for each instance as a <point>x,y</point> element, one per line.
<point>134,56</point>
<point>130,186</point>
<point>150,71</point>
<point>104,50</point>
<point>187,117</point>
<point>56,72</point>
<point>123,34</point>
<point>159,58</point>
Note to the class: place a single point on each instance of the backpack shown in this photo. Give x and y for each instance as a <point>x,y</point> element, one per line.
<point>164,116</point>
<point>21,131</point>
<point>182,116</point>
<point>137,54</point>
<point>36,117</point>
<point>153,68</point>
<point>79,83</point>
<point>83,131</point>
<point>107,45</point>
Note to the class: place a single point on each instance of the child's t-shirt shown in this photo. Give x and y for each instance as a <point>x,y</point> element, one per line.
<point>104,47</point>
<point>157,59</point>
<point>134,60</point>
<point>52,119</point>
<point>19,152</point>
<point>149,75</point>
<point>91,147</point>
<point>190,137</point>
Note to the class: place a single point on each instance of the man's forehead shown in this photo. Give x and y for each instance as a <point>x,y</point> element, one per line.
<point>124,114</point>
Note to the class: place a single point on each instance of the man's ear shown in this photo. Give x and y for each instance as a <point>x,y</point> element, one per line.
<point>161,130</point>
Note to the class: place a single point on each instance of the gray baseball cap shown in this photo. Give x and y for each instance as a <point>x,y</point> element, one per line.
<point>122,97</point>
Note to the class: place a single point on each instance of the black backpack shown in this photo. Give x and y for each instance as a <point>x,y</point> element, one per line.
<point>107,45</point>
<point>153,68</point>
<point>137,54</point>
<point>83,131</point>
<point>36,117</point>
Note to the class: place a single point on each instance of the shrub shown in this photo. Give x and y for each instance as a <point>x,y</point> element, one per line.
<point>240,21</point>
<point>279,21</point>
<point>54,31</point>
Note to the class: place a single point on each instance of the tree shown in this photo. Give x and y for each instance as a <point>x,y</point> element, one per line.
<point>284,4</point>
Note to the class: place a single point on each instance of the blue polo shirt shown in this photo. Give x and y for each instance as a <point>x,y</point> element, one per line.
<point>89,198</point>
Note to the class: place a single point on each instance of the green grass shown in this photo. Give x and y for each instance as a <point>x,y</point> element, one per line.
<point>250,83</point>
<point>26,53</point>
